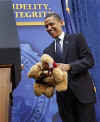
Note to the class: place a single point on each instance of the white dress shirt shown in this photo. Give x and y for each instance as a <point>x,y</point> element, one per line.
<point>61,37</point>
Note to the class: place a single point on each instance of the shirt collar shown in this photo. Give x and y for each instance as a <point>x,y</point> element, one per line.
<point>61,36</point>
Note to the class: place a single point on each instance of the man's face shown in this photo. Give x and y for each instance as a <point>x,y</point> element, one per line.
<point>53,26</point>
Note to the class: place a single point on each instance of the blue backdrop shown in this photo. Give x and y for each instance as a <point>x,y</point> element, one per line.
<point>33,39</point>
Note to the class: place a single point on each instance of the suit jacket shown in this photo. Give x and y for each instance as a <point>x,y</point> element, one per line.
<point>78,55</point>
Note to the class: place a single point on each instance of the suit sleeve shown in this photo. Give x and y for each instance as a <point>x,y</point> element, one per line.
<point>85,60</point>
<point>45,51</point>
<point>48,50</point>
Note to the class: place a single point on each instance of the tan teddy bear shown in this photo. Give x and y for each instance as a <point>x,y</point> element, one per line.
<point>40,87</point>
<point>48,76</point>
<point>58,78</point>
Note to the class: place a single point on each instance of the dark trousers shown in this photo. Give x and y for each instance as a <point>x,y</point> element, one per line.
<point>71,110</point>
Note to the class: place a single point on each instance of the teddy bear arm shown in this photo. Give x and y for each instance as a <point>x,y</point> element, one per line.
<point>62,86</point>
<point>37,90</point>
<point>35,71</point>
<point>58,75</point>
<point>49,91</point>
<point>40,89</point>
<point>49,80</point>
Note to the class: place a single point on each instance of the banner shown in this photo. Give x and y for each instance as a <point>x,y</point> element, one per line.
<point>32,12</point>
<point>29,16</point>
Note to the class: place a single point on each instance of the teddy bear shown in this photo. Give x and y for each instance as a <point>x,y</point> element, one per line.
<point>48,77</point>
<point>40,87</point>
<point>58,78</point>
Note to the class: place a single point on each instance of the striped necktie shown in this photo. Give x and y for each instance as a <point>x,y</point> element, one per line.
<point>59,51</point>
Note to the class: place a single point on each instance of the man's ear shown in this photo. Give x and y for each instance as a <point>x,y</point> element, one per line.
<point>62,23</point>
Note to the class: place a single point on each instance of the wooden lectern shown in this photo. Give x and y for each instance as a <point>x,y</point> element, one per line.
<point>10,59</point>
<point>5,90</point>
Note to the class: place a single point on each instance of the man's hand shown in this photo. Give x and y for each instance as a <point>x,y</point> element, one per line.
<point>64,67</point>
<point>22,66</point>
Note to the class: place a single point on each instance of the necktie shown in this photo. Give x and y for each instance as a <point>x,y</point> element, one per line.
<point>59,51</point>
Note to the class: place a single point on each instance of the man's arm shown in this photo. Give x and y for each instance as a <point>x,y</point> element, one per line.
<point>85,60</point>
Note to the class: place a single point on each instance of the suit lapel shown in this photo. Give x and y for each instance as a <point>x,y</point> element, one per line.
<point>53,49</point>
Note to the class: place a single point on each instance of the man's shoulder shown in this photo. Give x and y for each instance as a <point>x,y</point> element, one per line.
<point>73,34</point>
<point>49,47</point>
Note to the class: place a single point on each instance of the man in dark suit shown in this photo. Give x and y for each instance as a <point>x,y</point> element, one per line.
<point>77,103</point>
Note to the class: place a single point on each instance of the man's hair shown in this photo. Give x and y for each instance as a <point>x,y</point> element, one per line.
<point>55,15</point>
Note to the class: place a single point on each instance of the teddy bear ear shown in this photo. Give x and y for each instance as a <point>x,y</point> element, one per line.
<point>45,58</point>
<point>35,70</point>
